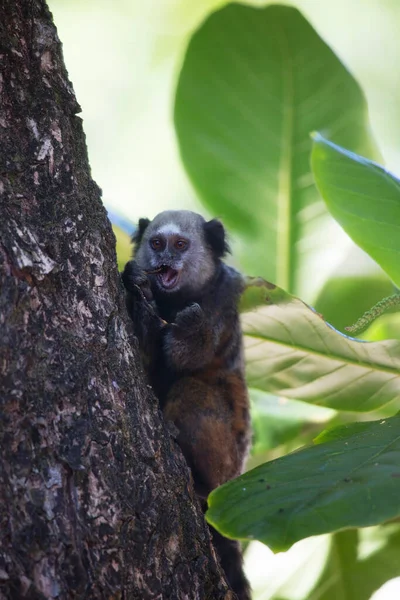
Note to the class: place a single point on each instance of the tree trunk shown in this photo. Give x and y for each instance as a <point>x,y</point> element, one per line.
<point>96,500</point>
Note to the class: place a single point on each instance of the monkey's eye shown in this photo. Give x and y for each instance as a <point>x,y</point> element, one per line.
<point>156,244</point>
<point>181,244</point>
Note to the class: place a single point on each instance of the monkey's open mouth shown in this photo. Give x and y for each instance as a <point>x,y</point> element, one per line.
<point>167,276</point>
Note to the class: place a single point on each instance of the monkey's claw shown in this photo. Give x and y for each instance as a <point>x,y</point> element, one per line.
<point>133,277</point>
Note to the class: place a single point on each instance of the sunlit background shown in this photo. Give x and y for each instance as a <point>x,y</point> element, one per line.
<point>123,58</point>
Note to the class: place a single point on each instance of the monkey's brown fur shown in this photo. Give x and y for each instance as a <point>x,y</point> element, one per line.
<point>213,430</point>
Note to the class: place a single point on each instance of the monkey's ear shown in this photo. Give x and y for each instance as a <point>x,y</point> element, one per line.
<point>215,237</point>
<point>139,231</point>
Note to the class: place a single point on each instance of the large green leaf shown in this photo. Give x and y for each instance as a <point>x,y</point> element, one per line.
<point>254,83</point>
<point>352,481</point>
<point>291,351</point>
<point>364,198</point>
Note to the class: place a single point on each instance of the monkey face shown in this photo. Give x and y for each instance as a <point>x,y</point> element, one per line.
<point>167,250</point>
<point>179,250</point>
<point>174,257</point>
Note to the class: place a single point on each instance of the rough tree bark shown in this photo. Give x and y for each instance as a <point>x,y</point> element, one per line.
<point>95,498</point>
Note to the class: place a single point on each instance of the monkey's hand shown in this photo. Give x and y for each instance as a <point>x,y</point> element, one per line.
<point>142,309</point>
<point>135,280</point>
<point>190,320</point>
<point>189,342</point>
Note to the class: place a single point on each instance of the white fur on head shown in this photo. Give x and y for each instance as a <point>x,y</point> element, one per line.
<point>170,229</point>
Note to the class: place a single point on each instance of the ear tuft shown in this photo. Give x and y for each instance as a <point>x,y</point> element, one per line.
<point>215,236</point>
<point>139,231</point>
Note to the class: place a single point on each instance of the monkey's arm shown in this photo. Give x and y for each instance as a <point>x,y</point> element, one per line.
<point>142,309</point>
<point>191,342</point>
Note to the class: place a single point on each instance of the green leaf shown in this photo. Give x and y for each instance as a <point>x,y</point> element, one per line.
<point>291,351</point>
<point>365,200</point>
<point>353,481</point>
<point>254,83</point>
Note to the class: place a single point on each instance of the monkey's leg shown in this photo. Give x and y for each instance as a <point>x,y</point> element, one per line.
<point>206,435</point>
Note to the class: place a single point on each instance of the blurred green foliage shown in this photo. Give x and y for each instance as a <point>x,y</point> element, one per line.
<point>281,421</point>
<point>254,84</point>
<point>359,562</point>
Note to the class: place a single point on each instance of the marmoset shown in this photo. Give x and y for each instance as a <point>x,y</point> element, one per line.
<point>183,300</point>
